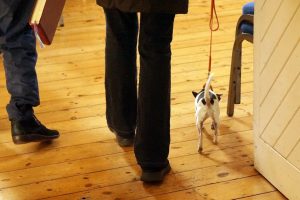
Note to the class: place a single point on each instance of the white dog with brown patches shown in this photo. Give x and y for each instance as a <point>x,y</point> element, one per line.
<point>207,105</point>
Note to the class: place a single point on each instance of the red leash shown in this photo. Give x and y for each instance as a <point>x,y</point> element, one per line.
<point>213,13</point>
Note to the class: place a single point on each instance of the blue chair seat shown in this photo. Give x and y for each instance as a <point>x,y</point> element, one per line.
<point>248,9</point>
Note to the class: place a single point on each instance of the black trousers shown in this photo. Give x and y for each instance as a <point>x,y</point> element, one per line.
<point>17,43</point>
<point>146,109</point>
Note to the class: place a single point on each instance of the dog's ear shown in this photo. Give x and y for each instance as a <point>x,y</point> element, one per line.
<point>219,96</point>
<point>194,93</point>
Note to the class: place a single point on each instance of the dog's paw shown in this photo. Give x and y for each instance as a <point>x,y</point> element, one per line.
<point>215,140</point>
<point>200,150</point>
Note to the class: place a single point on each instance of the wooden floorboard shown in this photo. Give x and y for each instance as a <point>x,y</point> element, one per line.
<point>86,163</point>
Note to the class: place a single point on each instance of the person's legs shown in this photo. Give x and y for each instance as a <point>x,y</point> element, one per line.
<point>153,119</point>
<point>120,71</point>
<point>17,42</point>
<point>19,62</point>
<point>19,53</point>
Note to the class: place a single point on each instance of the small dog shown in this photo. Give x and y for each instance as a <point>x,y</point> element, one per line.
<point>207,105</point>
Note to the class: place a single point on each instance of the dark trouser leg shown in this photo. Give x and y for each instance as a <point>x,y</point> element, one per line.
<point>17,42</point>
<point>120,70</point>
<point>153,122</point>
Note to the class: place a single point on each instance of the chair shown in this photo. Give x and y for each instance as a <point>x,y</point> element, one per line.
<point>244,31</point>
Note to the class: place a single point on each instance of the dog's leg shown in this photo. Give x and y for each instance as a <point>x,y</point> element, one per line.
<point>200,140</point>
<point>216,133</point>
<point>213,126</point>
<point>216,126</point>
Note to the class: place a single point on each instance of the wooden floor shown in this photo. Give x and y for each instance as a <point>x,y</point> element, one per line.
<point>86,162</point>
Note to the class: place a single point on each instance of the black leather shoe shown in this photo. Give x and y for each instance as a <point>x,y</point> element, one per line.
<point>155,175</point>
<point>123,141</point>
<point>31,130</point>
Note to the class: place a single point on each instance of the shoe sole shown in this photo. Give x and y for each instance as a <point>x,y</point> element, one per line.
<point>23,139</point>
<point>155,177</point>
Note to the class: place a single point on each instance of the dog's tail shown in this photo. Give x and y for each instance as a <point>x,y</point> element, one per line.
<point>206,90</point>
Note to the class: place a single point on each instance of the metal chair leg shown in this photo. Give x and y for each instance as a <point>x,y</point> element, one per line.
<point>238,65</point>
<point>236,54</point>
<point>234,93</point>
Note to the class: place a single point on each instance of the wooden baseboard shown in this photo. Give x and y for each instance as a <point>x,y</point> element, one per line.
<point>277,169</point>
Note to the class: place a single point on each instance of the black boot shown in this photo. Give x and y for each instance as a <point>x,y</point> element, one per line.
<point>155,175</point>
<point>122,140</point>
<point>31,130</point>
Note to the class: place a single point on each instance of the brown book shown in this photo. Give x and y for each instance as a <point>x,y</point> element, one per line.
<point>45,18</point>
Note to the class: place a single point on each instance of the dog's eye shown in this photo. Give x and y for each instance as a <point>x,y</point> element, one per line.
<point>203,101</point>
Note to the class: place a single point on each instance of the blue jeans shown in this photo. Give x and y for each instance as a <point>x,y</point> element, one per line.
<point>17,43</point>
<point>147,110</point>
